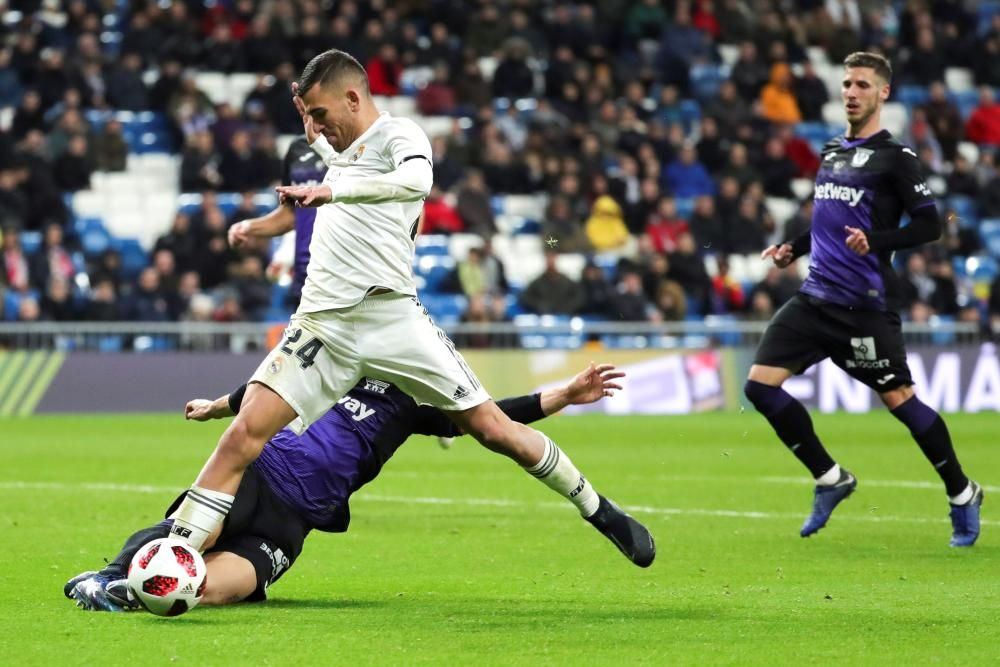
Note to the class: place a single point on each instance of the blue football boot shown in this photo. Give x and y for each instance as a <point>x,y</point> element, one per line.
<point>103,592</point>
<point>965,519</point>
<point>826,500</point>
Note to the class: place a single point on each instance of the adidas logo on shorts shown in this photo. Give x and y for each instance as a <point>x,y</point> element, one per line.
<point>460,392</point>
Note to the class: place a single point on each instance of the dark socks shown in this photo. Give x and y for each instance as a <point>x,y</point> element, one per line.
<point>792,423</point>
<point>931,433</point>
<point>121,562</point>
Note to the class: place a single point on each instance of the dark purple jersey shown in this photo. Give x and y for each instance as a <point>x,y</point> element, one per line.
<point>866,183</point>
<point>302,167</point>
<point>316,473</point>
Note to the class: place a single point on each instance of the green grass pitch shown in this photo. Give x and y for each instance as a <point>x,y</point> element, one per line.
<point>456,557</point>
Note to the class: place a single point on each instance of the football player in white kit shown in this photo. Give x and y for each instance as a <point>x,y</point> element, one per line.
<point>359,315</point>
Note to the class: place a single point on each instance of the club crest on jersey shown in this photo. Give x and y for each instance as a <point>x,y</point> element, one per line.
<point>861,156</point>
<point>357,154</point>
<point>275,366</point>
<point>376,386</point>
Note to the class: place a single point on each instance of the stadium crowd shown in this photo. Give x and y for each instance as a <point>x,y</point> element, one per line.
<point>637,153</point>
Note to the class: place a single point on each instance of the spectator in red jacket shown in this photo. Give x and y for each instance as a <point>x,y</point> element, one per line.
<point>440,217</point>
<point>983,126</point>
<point>665,226</point>
<point>384,71</point>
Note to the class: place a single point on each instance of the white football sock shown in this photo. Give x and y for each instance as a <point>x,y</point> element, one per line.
<point>830,477</point>
<point>962,498</point>
<point>556,471</point>
<point>200,513</point>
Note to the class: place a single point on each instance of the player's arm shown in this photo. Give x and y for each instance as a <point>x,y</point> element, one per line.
<point>410,181</point>
<point>202,409</point>
<point>784,254</point>
<point>279,221</point>
<point>589,386</point>
<point>925,226</point>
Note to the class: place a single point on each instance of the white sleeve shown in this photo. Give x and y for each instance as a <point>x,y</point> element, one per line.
<point>411,181</point>
<point>324,150</point>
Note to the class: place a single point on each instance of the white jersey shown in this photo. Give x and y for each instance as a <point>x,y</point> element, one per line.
<point>364,238</point>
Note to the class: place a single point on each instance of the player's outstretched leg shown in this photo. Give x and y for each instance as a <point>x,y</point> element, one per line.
<point>791,421</point>
<point>106,590</point>
<point>929,430</point>
<point>557,472</point>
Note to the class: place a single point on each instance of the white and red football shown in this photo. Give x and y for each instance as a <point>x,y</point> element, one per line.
<point>167,577</point>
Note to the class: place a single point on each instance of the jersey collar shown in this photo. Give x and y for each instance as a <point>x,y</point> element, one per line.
<point>851,143</point>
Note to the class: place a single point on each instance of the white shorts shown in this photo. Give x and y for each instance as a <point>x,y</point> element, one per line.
<point>389,336</point>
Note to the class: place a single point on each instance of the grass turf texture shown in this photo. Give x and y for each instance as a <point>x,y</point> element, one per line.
<point>457,557</point>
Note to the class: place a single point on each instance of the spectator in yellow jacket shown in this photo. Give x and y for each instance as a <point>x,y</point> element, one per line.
<point>777,99</point>
<point>606,225</point>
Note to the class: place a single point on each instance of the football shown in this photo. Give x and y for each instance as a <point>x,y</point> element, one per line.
<point>167,577</point>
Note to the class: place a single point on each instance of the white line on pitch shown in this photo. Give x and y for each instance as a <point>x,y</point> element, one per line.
<point>482,502</point>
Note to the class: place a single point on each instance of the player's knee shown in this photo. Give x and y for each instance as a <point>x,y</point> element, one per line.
<point>754,391</point>
<point>764,397</point>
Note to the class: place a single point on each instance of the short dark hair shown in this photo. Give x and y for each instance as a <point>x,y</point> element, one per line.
<point>329,66</point>
<point>876,61</point>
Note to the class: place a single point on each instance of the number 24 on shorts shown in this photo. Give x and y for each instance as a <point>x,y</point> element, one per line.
<point>307,351</point>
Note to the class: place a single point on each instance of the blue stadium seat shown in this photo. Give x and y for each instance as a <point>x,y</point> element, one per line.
<point>432,244</point>
<point>12,303</point>
<point>981,268</point>
<point>911,95</point>
<point>965,208</point>
<point>690,114</point>
<point>134,258</point>
<point>526,226</point>
<point>985,11</point>
<point>94,238</point>
<point>706,79</point>
<point>966,101</point>
<point>433,271</point>
<point>31,241</point>
<point>989,230</point>
<point>444,308</point>
<point>685,207</point>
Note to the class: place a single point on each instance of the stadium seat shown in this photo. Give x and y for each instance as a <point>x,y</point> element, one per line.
<point>31,241</point>
<point>911,95</point>
<point>894,118</point>
<point>134,258</point>
<point>685,207</point>
<point>803,188</point>
<point>958,79</point>
<point>966,101</point>
<point>706,78</point>
<point>459,244</point>
<point>989,230</point>
<point>12,303</point>
<point>444,308</point>
<point>965,208</point>
<point>240,85</point>
<point>571,264</point>
<point>434,270</point>
<point>969,150</point>
<point>213,84</point>
<point>431,244</point>
<point>945,337</point>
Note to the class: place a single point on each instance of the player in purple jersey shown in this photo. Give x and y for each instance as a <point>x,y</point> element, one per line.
<point>302,167</point>
<point>846,308</point>
<point>304,483</point>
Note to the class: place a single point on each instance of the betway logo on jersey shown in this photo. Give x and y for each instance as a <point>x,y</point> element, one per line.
<point>844,193</point>
<point>357,409</point>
